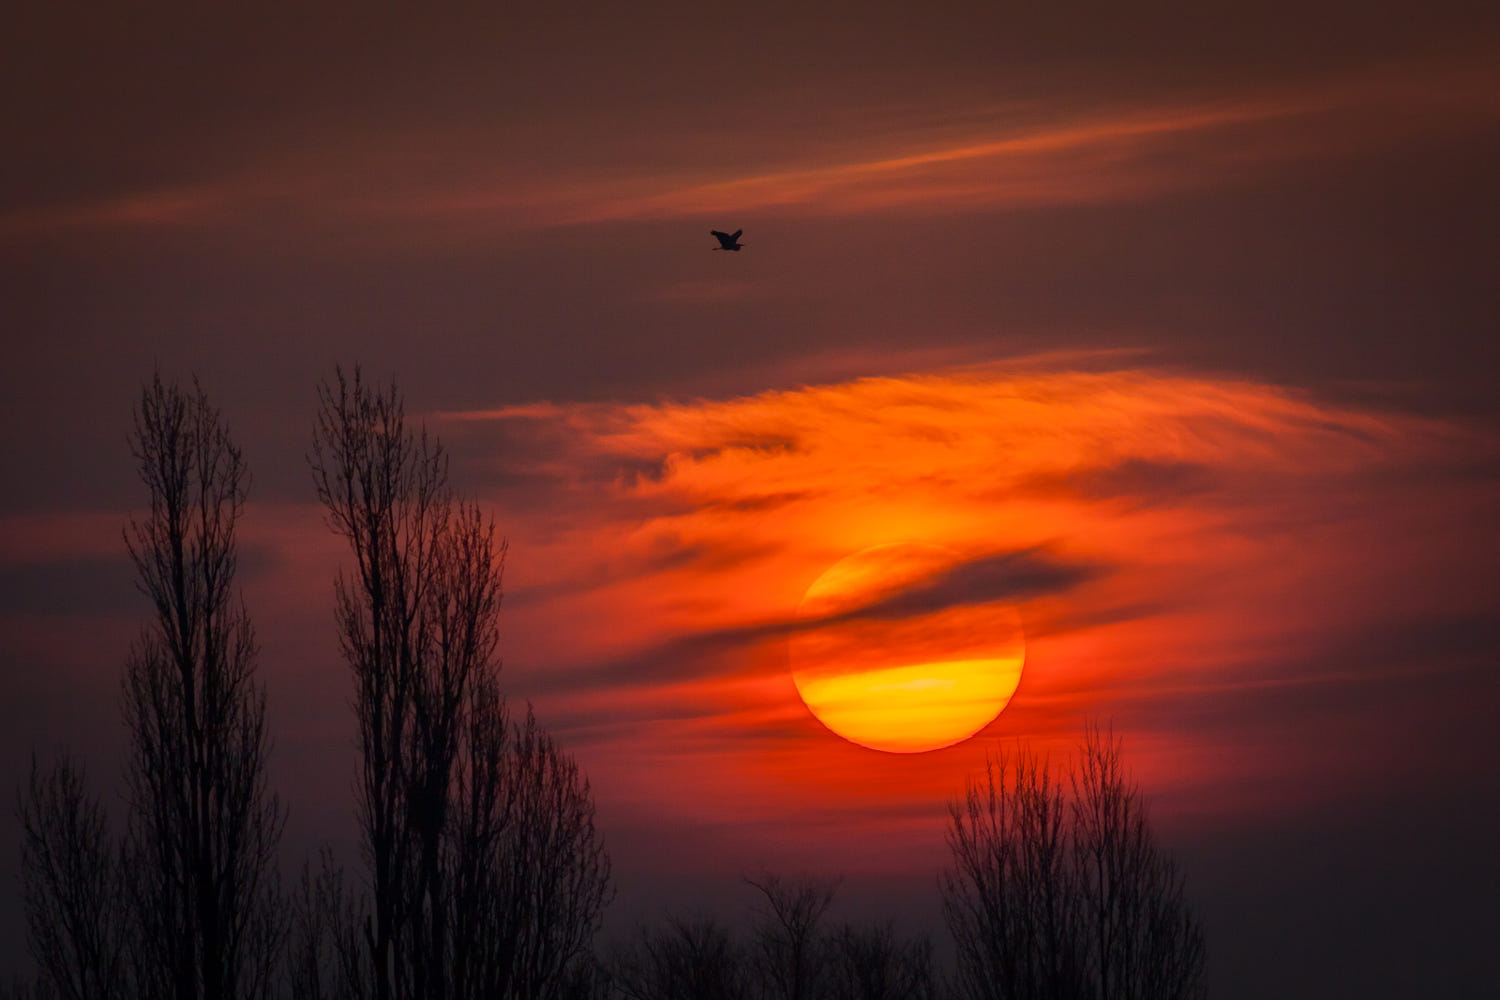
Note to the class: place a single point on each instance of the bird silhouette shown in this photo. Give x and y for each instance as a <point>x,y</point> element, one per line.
<point>727,241</point>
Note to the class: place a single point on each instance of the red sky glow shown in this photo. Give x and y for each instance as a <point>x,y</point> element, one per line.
<point>1174,325</point>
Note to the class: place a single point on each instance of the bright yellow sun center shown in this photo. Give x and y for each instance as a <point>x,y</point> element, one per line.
<point>879,675</point>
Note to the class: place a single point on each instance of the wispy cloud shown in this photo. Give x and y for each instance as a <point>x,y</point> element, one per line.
<point>465,185</point>
<point>188,205</point>
<point>1233,572</point>
<point>1175,545</point>
<point>1061,162</point>
<point>1008,577</point>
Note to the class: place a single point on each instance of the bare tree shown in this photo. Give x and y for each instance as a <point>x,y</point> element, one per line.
<point>323,959</point>
<point>1145,942</point>
<point>203,829</point>
<point>529,873</point>
<point>70,888</point>
<point>1010,899</point>
<point>789,948</point>
<point>788,953</point>
<point>1058,895</point>
<point>486,876</point>
<point>386,494</point>
<point>551,865</point>
<point>870,963</point>
<point>690,959</point>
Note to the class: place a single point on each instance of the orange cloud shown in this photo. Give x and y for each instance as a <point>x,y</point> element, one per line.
<point>1271,595</point>
<point>1182,548</point>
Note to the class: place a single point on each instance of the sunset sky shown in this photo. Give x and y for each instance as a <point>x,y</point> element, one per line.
<point>1173,327</point>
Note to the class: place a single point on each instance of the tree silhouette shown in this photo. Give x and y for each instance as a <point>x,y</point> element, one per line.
<point>1011,900</point>
<point>323,960</point>
<point>70,888</point>
<point>486,876</point>
<point>386,494</point>
<point>539,889</point>
<point>788,945</point>
<point>186,908</point>
<point>202,834</point>
<point>1062,894</point>
<point>1146,942</point>
<point>689,959</point>
<point>870,963</point>
<point>788,953</point>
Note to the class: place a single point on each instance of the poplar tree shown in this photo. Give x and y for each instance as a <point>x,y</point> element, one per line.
<point>201,840</point>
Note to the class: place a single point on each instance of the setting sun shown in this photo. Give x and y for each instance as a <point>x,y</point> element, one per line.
<point>884,671</point>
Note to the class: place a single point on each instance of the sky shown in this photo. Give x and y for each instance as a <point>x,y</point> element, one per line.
<point>1171,326</point>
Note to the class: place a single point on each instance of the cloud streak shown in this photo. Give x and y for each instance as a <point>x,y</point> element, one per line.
<point>464,183</point>
<point>1002,577</point>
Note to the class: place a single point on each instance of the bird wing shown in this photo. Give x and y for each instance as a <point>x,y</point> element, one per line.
<point>736,234</point>
<point>722,237</point>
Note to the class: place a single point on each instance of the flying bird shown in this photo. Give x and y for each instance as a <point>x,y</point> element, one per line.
<point>727,241</point>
